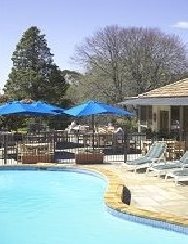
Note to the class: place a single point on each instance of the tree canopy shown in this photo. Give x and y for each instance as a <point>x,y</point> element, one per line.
<point>34,74</point>
<point>118,62</point>
<point>121,62</point>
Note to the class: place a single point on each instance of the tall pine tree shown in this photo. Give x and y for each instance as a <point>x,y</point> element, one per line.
<point>34,74</point>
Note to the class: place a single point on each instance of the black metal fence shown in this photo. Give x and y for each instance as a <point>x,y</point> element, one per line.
<point>64,147</point>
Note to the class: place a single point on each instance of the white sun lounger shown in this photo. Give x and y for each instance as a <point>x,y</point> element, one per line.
<point>164,168</point>
<point>180,175</point>
<point>155,155</point>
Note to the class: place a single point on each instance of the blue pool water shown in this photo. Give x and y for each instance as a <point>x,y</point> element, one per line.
<point>60,207</point>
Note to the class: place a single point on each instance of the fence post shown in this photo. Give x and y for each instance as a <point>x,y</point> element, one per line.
<point>53,140</point>
<point>125,144</point>
<point>5,147</point>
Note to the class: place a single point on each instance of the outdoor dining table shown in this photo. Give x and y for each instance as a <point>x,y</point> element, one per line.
<point>101,139</point>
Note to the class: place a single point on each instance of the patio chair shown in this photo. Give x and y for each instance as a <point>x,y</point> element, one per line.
<point>156,154</point>
<point>164,168</point>
<point>180,175</point>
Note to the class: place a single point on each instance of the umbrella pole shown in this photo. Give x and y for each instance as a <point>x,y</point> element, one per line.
<point>93,127</point>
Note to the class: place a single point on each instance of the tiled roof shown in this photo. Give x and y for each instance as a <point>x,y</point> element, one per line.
<point>173,101</point>
<point>177,89</point>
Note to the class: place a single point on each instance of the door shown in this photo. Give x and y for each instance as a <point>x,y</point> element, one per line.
<point>185,118</point>
<point>164,121</point>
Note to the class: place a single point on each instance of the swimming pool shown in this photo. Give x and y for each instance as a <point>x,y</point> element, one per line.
<point>66,207</point>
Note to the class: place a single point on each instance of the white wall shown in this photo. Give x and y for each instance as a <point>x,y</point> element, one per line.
<point>156,110</point>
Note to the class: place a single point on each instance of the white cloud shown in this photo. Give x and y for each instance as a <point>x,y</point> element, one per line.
<point>181,24</point>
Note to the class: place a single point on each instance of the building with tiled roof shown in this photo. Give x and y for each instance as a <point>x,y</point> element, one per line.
<point>164,108</point>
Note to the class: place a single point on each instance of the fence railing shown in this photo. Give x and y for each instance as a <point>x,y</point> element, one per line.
<point>81,147</point>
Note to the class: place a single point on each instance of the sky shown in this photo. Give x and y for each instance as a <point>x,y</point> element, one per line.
<point>67,22</point>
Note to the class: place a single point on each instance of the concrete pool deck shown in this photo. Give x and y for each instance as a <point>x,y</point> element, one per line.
<point>155,194</point>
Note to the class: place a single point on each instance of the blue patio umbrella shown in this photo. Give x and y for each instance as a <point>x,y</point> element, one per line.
<point>43,106</point>
<point>96,108</point>
<point>15,108</point>
<point>26,108</point>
